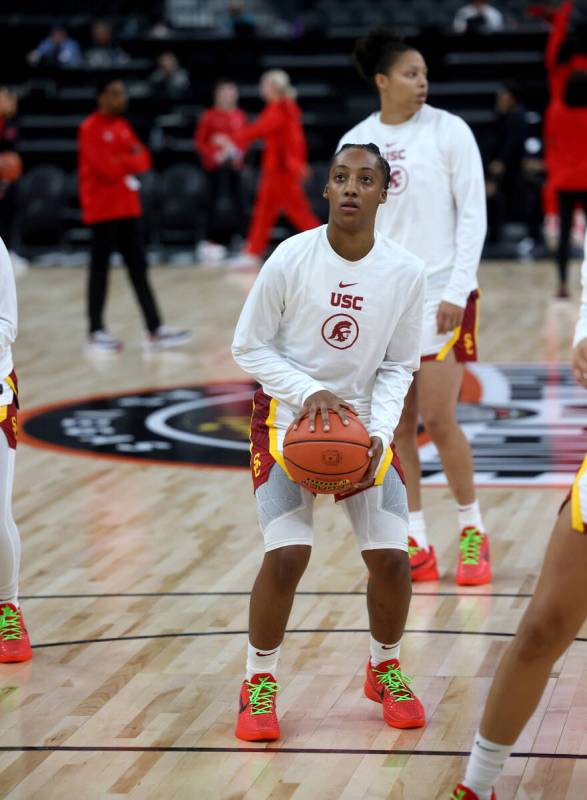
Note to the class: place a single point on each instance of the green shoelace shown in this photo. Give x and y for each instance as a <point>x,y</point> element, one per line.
<point>470,546</point>
<point>395,682</point>
<point>10,627</point>
<point>460,796</point>
<point>413,549</point>
<point>261,696</point>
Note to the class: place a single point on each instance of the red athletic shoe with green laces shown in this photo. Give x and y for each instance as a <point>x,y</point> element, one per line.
<point>461,792</point>
<point>387,684</point>
<point>257,714</point>
<point>422,562</point>
<point>474,565</point>
<point>15,644</point>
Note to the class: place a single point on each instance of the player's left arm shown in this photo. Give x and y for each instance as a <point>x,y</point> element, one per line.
<point>8,320</point>
<point>468,191</point>
<point>139,158</point>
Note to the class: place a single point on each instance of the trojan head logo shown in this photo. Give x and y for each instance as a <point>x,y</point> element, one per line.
<point>340,331</point>
<point>398,179</point>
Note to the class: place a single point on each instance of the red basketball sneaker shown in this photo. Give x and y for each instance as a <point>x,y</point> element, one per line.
<point>257,714</point>
<point>474,565</point>
<point>15,644</point>
<point>461,792</point>
<point>387,684</point>
<point>422,562</point>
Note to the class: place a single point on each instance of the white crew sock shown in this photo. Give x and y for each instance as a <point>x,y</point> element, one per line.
<point>261,660</point>
<point>470,516</point>
<point>383,652</point>
<point>485,764</point>
<point>417,528</point>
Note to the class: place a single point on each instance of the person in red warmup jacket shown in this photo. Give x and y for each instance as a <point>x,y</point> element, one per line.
<point>223,171</point>
<point>110,158</point>
<point>284,165</point>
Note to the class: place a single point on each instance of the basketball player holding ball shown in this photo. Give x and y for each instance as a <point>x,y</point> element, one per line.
<point>436,210</point>
<point>14,641</point>
<point>332,323</point>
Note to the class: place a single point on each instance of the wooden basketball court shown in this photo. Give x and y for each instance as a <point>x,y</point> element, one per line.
<point>135,580</point>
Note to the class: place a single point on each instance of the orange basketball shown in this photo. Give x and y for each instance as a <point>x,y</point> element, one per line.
<point>327,462</point>
<point>10,166</point>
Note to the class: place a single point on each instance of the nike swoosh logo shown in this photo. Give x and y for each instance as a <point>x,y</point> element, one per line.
<point>242,706</point>
<point>387,646</point>
<point>342,285</point>
<point>264,655</point>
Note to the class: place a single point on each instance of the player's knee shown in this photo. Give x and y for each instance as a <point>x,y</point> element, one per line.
<point>288,564</point>
<point>389,564</point>
<point>439,424</point>
<point>542,635</point>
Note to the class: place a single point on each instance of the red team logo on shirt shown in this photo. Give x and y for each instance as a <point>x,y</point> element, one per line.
<point>340,331</point>
<point>398,179</point>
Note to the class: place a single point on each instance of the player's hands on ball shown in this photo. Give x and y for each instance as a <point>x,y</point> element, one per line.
<point>375,453</point>
<point>318,404</point>
<point>579,362</point>
<point>448,317</point>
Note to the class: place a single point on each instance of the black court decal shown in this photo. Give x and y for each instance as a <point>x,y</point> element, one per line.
<point>527,425</point>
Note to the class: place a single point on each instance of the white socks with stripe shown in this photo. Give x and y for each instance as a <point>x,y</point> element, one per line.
<point>417,528</point>
<point>470,516</point>
<point>261,660</point>
<point>383,652</point>
<point>485,765</point>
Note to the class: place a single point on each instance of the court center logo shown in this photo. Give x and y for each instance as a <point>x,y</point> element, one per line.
<point>527,425</point>
<point>340,331</point>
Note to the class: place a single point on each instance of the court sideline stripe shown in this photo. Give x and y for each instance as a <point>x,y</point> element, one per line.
<point>277,750</point>
<point>247,594</point>
<point>196,634</point>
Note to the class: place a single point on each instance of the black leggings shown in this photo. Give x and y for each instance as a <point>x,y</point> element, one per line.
<point>124,236</point>
<point>225,182</point>
<point>567,202</point>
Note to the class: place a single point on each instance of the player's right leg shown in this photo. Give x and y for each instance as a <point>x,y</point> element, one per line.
<point>554,616</point>
<point>567,201</point>
<point>14,640</point>
<point>422,555</point>
<point>102,246</point>
<point>285,512</point>
<point>265,213</point>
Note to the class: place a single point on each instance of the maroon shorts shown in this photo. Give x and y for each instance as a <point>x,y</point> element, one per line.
<point>9,413</point>
<point>265,453</point>
<point>464,342</point>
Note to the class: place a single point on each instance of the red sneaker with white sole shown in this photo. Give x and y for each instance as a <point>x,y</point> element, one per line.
<point>474,564</point>
<point>15,644</point>
<point>386,684</point>
<point>257,713</point>
<point>422,562</point>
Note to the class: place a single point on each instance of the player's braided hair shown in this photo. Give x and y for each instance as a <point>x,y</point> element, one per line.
<point>370,148</point>
<point>378,52</point>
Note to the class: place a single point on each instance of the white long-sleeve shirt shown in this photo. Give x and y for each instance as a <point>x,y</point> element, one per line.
<point>581,329</point>
<point>436,201</point>
<point>314,320</point>
<point>8,312</point>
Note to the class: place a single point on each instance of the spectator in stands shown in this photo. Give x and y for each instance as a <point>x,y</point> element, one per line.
<point>565,138</point>
<point>56,50</point>
<point>8,189</point>
<point>104,52</point>
<point>169,79</point>
<point>284,164</point>
<point>110,158</point>
<point>505,166</point>
<point>223,168</point>
<point>478,17</point>
<point>240,22</point>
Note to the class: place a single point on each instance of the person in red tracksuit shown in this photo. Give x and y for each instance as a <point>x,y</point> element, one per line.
<point>223,170</point>
<point>110,157</point>
<point>283,168</point>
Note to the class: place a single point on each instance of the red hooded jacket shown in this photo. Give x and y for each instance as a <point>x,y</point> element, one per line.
<point>214,121</point>
<point>280,125</point>
<point>110,154</point>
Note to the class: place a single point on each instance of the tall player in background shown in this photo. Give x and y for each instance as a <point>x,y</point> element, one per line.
<point>285,340</point>
<point>436,209</point>
<point>14,639</point>
<point>284,164</point>
<point>552,620</point>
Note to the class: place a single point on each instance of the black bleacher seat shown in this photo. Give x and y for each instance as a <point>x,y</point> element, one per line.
<point>183,199</point>
<point>41,200</point>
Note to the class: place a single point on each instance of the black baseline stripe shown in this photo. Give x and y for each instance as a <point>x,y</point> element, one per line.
<point>247,594</point>
<point>268,750</point>
<point>196,634</point>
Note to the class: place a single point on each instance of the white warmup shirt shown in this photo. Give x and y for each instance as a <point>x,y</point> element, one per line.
<point>8,313</point>
<point>581,329</point>
<point>436,200</point>
<point>315,321</point>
